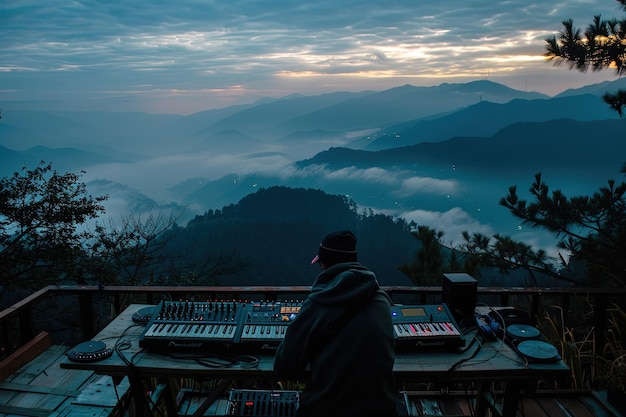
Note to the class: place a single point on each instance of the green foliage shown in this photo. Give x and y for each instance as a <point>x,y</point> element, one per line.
<point>577,354</point>
<point>611,362</point>
<point>617,101</point>
<point>45,238</point>
<point>504,253</point>
<point>591,366</point>
<point>129,253</point>
<point>602,45</point>
<point>472,256</point>
<point>41,238</point>
<point>276,231</point>
<point>591,228</point>
<point>428,264</point>
<point>295,205</point>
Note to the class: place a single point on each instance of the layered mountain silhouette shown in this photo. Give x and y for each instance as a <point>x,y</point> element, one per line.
<point>486,118</point>
<point>451,146</point>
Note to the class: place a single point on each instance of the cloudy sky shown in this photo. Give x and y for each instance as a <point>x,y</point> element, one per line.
<point>185,56</point>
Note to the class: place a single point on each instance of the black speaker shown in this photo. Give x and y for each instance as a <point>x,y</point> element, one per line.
<point>460,292</point>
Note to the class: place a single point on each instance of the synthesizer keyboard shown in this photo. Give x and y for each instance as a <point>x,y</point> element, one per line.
<point>218,325</point>
<point>192,325</point>
<point>265,324</point>
<point>421,326</point>
<point>260,326</point>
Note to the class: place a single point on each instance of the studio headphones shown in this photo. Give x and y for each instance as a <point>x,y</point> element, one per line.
<point>488,328</point>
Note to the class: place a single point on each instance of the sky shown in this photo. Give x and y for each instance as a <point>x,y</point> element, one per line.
<point>186,56</point>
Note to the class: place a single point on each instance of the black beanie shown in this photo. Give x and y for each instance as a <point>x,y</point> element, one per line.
<point>337,247</point>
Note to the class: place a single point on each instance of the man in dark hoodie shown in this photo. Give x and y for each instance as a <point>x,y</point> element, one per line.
<point>343,335</point>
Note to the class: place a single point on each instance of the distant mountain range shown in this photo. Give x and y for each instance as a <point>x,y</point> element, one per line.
<point>149,134</point>
<point>487,118</point>
<point>589,148</point>
<point>399,150</point>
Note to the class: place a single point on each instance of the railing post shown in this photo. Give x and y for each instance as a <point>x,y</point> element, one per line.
<point>504,299</point>
<point>5,342</point>
<point>599,320</point>
<point>26,324</point>
<point>117,304</point>
<point>86,315</point>
<point>536,299</point>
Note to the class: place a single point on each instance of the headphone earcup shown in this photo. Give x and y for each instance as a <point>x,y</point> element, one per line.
<point>488,328</point>
<point>495,326</point>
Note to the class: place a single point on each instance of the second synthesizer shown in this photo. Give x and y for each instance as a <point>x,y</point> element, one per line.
<point>425,326</point>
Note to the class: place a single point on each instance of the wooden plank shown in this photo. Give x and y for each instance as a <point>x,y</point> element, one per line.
<point>16,393</point>
<point>24,411</point>
<point>12,386</point>
<point>23,303</point>
<point>551,407</point>
<point>37,401</point>
<point>575,407</point>
<point>597,405</point>
<point>83,411</point>
<point>43,385</point>
<point>62,406</point>
<point>55,376</point>
<point>25,354</point>
<point>103,392</point>
<point>530,407</point>
<point>41,364</point>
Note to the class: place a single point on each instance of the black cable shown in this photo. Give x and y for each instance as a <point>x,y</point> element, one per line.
<point>462,361</point>
<point>216,360</point>
<point>122,344</point>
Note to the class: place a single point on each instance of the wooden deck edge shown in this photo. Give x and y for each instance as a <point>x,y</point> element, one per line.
<point>24,354</point>
<point>601,397</point>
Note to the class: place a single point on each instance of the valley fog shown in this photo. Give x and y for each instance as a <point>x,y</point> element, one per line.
<point>444,163</point>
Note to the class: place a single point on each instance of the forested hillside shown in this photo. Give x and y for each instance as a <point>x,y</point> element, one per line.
<point>274,233</point>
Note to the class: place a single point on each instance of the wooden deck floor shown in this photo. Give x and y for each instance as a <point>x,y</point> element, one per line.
<point>43,388</point>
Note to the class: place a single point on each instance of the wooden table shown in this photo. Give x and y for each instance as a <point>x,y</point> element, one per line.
<point>480,363</point>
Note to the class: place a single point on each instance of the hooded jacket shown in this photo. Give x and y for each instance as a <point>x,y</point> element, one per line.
<point>352,375</point>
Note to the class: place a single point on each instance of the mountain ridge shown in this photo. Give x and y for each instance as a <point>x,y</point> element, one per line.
<point>470,149</point>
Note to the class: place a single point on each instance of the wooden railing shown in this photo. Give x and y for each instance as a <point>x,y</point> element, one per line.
<point>83,306</point>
